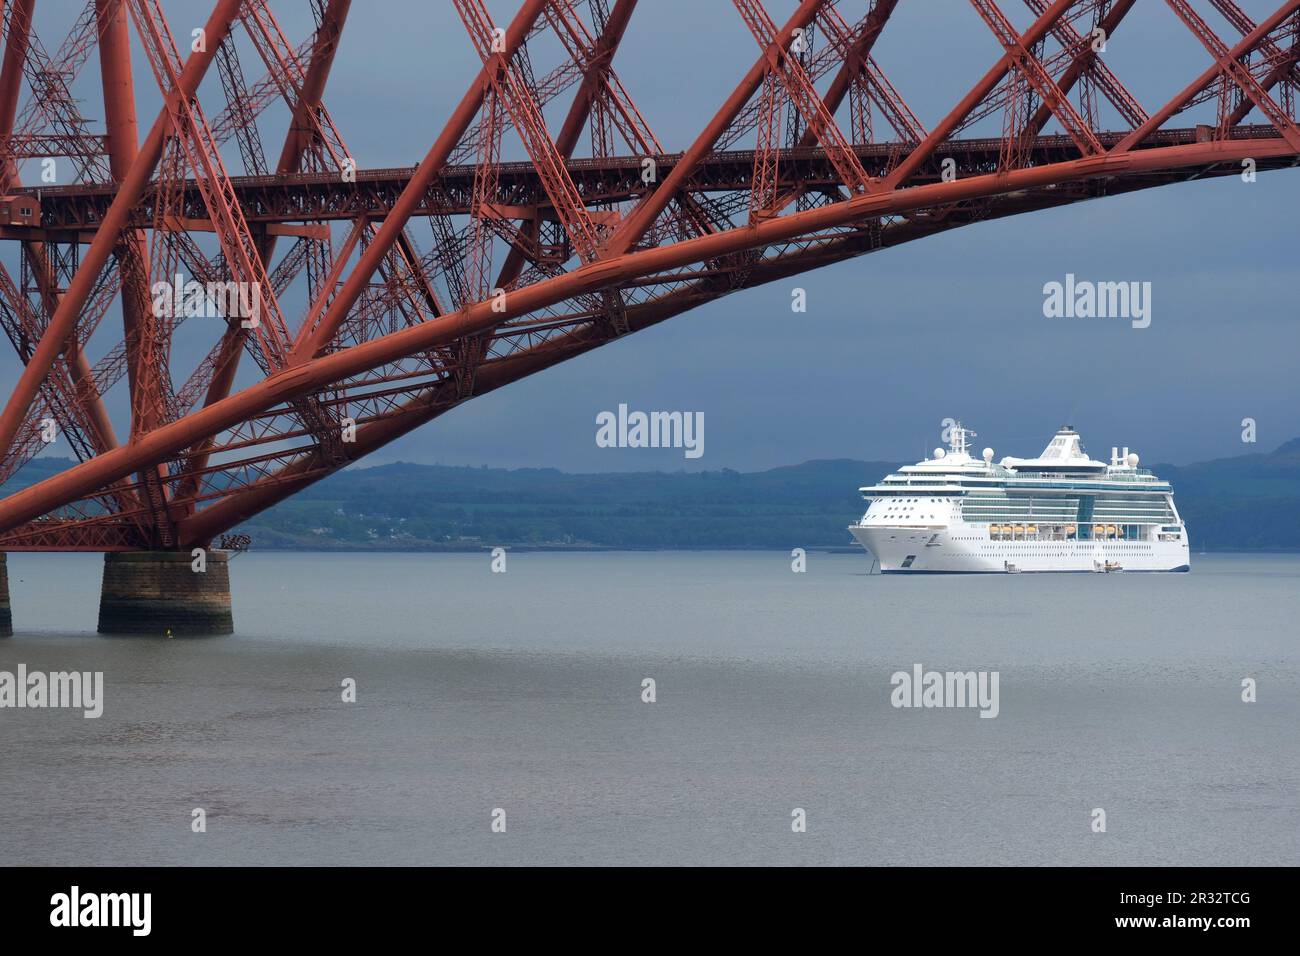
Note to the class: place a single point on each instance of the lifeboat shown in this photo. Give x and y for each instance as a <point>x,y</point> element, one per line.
<point>1071,529</point>
<point>1110,530</point>
<point>1031,529</point>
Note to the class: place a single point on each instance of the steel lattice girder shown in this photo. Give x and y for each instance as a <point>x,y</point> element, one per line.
<point>388,355</point>
<point>69,212</point>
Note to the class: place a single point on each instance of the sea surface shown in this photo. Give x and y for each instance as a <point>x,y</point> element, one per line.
<point>522,692</point>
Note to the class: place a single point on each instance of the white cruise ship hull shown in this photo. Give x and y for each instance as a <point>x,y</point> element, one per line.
<point>966,549</point>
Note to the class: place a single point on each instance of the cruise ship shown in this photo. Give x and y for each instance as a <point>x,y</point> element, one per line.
<point>1061,511</point>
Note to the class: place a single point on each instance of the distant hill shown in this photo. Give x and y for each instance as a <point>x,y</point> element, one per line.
<point>422,506</point>
<point>1247,503</point>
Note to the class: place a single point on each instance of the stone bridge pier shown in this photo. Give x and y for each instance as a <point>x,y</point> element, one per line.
<point>6,616</point>
<point>163,593</point>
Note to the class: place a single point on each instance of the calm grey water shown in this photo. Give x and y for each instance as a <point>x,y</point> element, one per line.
<point>522,691</point>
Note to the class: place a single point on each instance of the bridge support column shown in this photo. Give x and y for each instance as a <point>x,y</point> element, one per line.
<point>160,593</point>
<point>6,616</point>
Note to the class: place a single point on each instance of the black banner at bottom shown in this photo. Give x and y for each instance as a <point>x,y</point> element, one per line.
<point>377,904</point>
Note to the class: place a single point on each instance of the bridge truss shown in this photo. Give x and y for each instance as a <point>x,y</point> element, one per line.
<point>813,158</point>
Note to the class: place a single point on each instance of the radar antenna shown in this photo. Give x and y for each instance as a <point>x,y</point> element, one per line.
<point>960,440</point>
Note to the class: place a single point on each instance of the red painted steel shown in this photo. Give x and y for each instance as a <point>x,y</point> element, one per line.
<point>792,173</point>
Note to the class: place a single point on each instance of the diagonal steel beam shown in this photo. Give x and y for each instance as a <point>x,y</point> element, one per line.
<point>643,215</point>
<point>1088,62</point>
<point>1213,72</point>
<point>1237,71</point>
<point>64,321</point>
<point>321,324</point>
<point>1284,67</point>
<point>798,86</point>
<point>597,82</point>
<point>512,92</point>
<point>1029,66</point>
<point>919,156</point>
<point>301,129</point>
<point>857,65</point>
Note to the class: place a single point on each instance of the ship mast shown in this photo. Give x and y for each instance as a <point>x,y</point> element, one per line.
<point>958,443</point>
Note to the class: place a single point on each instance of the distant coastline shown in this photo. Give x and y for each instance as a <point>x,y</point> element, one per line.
<point>1244,504</point>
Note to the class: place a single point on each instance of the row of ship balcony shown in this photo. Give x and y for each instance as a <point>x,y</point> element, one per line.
<point>1066,532</point>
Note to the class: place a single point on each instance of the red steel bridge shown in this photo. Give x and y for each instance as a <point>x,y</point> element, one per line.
<point>420,287</point>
